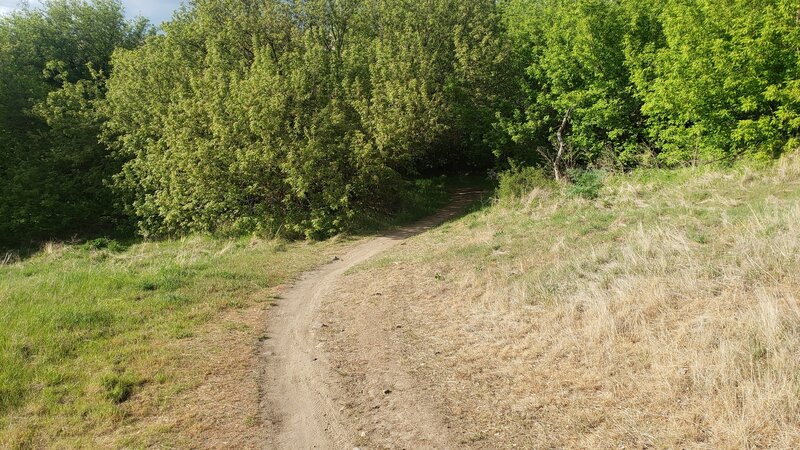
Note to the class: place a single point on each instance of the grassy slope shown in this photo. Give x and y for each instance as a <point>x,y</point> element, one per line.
<point>662,314</point>
<point>127,347</point>
<point>93,341</point>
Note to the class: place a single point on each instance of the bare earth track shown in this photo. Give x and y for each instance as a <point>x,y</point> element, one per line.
<point>305,406</point>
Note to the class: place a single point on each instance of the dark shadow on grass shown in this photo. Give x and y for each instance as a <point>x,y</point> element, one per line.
<point>111,242</point>
<point>422,199</point>
<point>463,201</point>
<point>435,203</point>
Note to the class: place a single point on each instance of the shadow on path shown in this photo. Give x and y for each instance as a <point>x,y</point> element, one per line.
<point>461,200</point>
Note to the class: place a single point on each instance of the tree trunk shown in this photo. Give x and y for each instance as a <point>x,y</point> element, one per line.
<point>562,146</point>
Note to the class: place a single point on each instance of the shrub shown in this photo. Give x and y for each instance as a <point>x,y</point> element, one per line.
<point>274,127</point>
<point>585,183</point>
<point>518,181</point>
<point>104,244</point>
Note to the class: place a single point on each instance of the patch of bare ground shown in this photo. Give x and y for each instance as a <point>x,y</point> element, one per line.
<point>218,403</point>
<point>304,404</point>
<point>205,384</point>
<point>664,315</point>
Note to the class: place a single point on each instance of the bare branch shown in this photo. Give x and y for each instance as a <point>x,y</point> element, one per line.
<point>561,145</point>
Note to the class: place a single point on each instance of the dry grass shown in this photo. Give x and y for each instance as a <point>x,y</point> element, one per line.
<point>663,314</point>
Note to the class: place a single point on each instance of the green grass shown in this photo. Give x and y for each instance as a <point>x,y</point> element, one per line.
<point>419,198</point>
<point>86,327</point>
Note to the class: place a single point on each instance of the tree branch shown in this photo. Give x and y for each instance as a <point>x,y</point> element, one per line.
<point>561,145</point>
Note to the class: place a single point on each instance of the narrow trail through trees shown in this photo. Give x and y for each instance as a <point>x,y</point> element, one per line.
<point>297,401</point>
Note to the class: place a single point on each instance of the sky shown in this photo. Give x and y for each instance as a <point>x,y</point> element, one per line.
<point>155,10</point>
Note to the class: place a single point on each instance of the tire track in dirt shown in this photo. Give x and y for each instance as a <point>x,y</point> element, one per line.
<point>300,407</point>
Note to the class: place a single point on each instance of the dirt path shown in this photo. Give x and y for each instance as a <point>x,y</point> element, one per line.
<point>304,406</point>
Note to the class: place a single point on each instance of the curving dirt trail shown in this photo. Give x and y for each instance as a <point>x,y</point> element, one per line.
<point>304,407</point>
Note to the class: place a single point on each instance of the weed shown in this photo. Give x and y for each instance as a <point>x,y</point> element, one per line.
<point>758,350</point>
<point>585,183</point>
<point>9,258</point>
<point>148,286</point>
<point>104,244</point>
<point>119,387</point>
<point>518,181</point>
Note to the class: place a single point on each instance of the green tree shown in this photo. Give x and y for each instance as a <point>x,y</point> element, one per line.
<point>725,82</point>
<point>578,97</point>
<point>53,62</point>
<point>296,117</point>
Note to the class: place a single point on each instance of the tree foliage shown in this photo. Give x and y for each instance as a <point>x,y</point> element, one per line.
<point>297,117</point>
<point>723,83</point>
<point>53,62</point>
<point>685,80</point>
<point>574,57</point>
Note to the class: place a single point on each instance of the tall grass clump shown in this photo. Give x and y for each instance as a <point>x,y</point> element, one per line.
<point>521,180</point>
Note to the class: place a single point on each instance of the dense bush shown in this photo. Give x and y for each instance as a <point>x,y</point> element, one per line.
<point>585,183</point>
<point>53,169</point>
<point>520,180</point>
<point>688,81</point>
<point>574,73</point>
<point>295,116</point>
<point>725,80</point>
<point>299,117</point>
